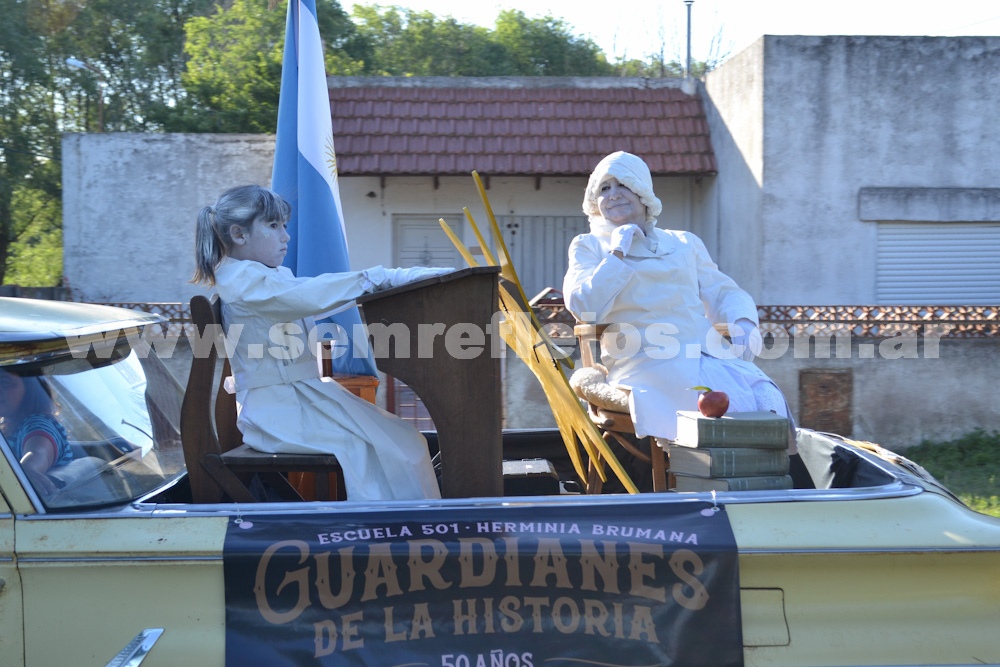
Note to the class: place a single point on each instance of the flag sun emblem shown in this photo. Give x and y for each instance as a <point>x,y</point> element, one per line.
<point>331,156</point>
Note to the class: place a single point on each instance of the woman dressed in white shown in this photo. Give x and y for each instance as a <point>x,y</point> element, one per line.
<point>664,291</point>
<point>284,405</point>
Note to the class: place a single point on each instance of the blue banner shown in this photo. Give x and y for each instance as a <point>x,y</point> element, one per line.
<point>305,174</point>
<point>637,584</point>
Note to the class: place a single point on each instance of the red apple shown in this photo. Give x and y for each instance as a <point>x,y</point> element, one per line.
<point>712,403</point>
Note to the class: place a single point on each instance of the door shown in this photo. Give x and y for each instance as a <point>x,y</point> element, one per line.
<point>93,581</point>
<point>11,618</point>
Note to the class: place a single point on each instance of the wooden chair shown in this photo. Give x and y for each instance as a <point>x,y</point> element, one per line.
<point>614,424</point>
<point>219,465</point>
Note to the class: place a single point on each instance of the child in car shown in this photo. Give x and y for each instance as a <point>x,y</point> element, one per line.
<point>29,425</point>
<point>284,404</point>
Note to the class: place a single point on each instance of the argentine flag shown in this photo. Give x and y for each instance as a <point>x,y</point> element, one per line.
<point>305,173</point>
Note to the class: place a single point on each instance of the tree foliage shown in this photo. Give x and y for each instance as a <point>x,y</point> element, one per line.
<point>547,47</point>
<point>29,129</point>
<point>403,42</point>
<point>233,70</point>
<point>233,73</point>
<point>134,55</point>
<point>135,49</point>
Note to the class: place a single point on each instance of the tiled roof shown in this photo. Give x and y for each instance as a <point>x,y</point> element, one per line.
<point>537,126</point>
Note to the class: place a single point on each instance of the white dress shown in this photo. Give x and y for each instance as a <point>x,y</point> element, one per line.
<point>666,293</point>
<point>283,403</point>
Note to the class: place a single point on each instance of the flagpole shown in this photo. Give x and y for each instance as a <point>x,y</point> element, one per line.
<point>305,174</point>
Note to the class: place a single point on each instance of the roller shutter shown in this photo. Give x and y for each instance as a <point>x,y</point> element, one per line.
<point>539,246</point>
<point>950,263</point>
<point>420,241</point>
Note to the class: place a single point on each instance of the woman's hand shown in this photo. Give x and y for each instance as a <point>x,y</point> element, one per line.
<point>746,339</point>
<point>622,236</point>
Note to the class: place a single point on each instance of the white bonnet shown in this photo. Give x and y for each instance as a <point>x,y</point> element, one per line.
<point>632,172</point>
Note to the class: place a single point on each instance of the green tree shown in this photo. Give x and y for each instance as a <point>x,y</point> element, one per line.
<point>38,260</point>
<point>133,50</point>
<point>233,73</point>
<point>135,53</point>
<point>547,47</point>
<point>656,68</point>
<point>403,42</point>
<point>29,130</point>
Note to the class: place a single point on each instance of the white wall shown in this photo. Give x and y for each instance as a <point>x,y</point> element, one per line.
<point>801,124</point>
<point>130,202</point>
<point>730,224</point>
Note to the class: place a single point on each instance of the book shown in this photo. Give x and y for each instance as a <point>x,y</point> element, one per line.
<point>740,429</point>
<point>756,483</point>
<point>727,461</point>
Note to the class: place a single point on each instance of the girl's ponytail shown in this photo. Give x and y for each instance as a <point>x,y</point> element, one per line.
<point>209,249</point>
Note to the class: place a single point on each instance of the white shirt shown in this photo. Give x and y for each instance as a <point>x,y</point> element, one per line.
<point>285,406</point>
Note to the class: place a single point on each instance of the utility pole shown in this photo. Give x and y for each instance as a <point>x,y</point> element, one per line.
<point>687,67</point>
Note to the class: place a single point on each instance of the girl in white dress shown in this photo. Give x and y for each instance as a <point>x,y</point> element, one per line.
<point>283,403</point>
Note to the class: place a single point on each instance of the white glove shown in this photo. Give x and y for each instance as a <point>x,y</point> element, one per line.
<point>379,277</point>
<point>621,237</point>
<point>746,339</point>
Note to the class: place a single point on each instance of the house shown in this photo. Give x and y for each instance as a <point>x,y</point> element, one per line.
<point>406,149</point>
<point>827,175</point>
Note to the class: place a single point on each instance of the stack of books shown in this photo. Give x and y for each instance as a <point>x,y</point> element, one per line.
<point>745,451</point>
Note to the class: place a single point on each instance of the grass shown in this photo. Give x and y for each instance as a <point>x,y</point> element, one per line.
<point>969,467</point>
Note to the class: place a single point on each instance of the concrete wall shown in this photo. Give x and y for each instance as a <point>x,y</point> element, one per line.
<point>730,224</point>
<point>846,113</point>
<point>130,203</point>
<point>936,391</point>
<point>818,139</point>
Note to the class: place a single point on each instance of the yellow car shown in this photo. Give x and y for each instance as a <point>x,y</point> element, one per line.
<point>105,560</point>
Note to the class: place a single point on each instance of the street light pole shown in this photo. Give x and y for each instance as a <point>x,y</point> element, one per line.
<point>79,64</point>
<point>687,68</point>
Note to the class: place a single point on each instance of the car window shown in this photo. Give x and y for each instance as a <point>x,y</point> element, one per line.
<point>110,427</point>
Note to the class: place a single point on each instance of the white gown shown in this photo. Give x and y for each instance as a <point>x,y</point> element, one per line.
<point>285,406</point>
<point>670,292</point>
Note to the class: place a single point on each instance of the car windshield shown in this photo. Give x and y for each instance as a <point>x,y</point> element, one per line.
<point>91,432</point>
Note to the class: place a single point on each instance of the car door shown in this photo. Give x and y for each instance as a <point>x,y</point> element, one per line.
<point>93,581</point>
<point>11,620</point>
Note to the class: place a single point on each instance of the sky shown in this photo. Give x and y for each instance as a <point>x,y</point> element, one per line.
<point>724,27</point>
